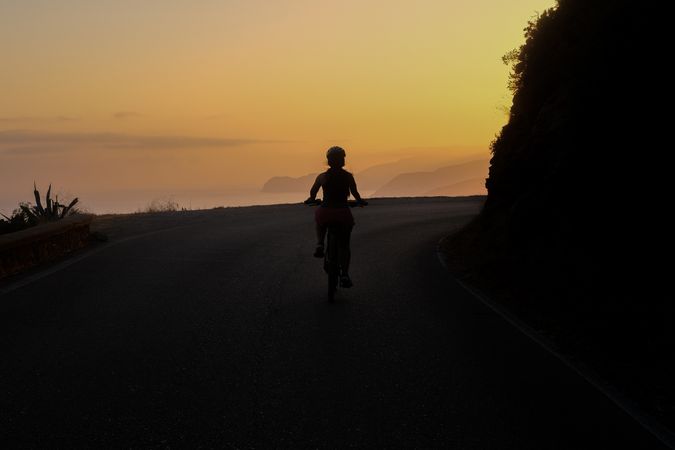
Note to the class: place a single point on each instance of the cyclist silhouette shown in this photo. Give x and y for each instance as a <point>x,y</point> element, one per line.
<point>337,184</point>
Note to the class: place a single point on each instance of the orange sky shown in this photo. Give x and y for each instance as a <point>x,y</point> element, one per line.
<point>184,94</point>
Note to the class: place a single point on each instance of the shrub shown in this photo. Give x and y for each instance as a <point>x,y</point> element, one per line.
<point>28,215</point>
<point>162,205</point>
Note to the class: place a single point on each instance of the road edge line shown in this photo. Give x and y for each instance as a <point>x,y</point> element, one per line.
<point>655,428</point>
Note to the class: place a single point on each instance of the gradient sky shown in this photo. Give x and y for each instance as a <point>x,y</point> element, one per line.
<point>205,94</point>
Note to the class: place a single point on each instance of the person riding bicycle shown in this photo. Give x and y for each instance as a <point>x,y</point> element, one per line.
<point>337,183</point>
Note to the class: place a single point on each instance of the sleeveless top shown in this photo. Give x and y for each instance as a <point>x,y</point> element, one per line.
<point>336,188</point>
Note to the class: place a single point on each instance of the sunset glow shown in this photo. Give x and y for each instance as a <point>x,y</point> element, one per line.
<point>99,97</point>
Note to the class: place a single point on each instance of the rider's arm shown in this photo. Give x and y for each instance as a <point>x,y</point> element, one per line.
<point>354,191</point>
<point>315,188</point>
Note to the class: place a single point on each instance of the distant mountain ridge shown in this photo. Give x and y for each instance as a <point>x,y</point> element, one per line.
<point>422,183</point>
<point>474,186</point>
<point>289,184</point>
<point>376,178</point>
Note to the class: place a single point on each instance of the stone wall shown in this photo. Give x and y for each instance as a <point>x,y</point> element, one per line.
<point>43,243</point>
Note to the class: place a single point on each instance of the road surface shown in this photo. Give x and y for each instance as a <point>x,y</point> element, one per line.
<point>211,329</point>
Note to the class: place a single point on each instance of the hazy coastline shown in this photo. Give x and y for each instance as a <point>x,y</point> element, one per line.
<point>129,201</point>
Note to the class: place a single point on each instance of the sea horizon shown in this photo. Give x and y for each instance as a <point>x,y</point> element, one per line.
<point>139,200</point>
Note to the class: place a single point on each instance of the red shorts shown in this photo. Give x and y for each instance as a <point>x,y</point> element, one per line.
<point>325,216</point>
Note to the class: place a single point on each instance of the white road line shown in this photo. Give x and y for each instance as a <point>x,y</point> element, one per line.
<point>647,422</point>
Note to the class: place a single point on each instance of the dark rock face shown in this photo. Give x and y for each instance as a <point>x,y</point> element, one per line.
<point>573,227</point>
<point>566,165</point>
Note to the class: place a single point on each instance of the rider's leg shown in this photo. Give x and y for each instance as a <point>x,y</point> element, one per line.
<point>320,233</point>
<point>320,237</point>
<point>345,252</point>
<point>345,256</point>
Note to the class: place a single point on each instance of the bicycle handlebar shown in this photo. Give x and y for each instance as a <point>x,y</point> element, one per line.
<point>352,203</point>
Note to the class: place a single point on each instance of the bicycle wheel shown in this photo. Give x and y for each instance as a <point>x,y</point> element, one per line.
<point>332,285</point>
<point>331,265</point>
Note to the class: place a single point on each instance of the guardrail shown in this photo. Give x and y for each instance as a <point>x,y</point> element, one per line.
<point>43,243</point>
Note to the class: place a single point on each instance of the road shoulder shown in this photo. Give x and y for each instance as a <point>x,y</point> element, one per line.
<point>498,305</point>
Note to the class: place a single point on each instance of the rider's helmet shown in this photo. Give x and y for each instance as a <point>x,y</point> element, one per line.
<point>336,151</point>
<point>336,156</point>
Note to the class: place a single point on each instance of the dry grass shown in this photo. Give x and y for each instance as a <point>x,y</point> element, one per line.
<point>162,205</point>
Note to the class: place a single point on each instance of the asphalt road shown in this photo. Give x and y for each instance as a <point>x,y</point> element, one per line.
<point>211,329</point>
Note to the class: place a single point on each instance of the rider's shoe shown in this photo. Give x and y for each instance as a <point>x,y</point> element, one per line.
<point>345,281</point>
<point>318,253</point>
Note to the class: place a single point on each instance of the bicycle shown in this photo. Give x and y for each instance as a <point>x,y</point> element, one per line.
<point>331,260</point>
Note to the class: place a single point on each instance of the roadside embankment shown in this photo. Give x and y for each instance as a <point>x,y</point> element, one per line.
<point>44,243</point>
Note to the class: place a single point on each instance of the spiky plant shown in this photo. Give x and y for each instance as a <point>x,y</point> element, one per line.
<point>52,210</point>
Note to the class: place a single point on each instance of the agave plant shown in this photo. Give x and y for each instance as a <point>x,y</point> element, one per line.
<point>52,210</point>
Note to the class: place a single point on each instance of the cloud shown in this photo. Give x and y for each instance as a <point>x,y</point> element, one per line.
<point>121,115</point>
<point>17,119</point>
<point>13,141</point>
<point>24,150</point>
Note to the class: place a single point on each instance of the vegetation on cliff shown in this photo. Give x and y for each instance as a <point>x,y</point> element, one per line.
<point>568,234</point>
